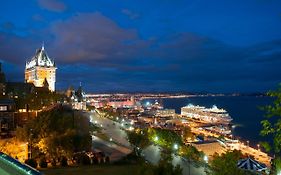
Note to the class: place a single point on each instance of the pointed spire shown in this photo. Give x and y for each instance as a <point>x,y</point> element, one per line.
<point>43,46</point>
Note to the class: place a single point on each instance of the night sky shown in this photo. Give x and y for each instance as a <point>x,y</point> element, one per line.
<point>147,45</point>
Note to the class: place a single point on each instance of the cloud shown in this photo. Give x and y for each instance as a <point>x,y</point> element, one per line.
<point>12,71</point>
<point>38,18</point>
<point>93,49</point>
<point>130,14</point>
<point>15,49</point>
<point>52,5</point>
<point>8,26</point>
<point>93,37</point>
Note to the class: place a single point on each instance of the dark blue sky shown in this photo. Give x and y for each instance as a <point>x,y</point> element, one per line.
<point>148,45</point>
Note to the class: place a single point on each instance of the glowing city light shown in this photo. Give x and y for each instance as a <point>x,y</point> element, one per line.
<point>156,138</point>
<point>176,146</point>
<point>205,158</point>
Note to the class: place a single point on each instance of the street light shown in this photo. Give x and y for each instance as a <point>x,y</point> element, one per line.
<point>248,142</point>
<point>176,147</point>
<point>156,139</point>
<point>259,147</point>
<point>205,158</point>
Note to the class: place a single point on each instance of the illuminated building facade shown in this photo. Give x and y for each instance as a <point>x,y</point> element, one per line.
<point>165,113</point>
<point>41,70</point>
<point>7,109</point>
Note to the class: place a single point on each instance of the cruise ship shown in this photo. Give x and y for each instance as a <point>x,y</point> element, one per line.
<point>208,115</point>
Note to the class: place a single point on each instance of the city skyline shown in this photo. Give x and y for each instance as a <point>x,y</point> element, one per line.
<point>154,46</point>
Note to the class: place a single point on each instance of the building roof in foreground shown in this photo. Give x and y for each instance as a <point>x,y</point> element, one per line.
<point>10,166</point>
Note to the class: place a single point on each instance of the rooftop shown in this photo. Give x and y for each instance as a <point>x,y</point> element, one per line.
<point>40,59</point>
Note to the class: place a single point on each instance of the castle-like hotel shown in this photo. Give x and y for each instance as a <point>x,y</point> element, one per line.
<point>41,70</point>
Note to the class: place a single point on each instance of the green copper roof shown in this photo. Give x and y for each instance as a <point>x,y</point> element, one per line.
<point>10,166</point>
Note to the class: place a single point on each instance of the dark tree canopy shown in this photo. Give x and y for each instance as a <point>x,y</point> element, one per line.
<point>226,164</point>
<point>165,138</point>
<point>272,127</point>
<point>138,139</point>
<point>57,132</point>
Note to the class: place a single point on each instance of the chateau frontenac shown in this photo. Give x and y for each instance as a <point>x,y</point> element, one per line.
<point>41,70</point>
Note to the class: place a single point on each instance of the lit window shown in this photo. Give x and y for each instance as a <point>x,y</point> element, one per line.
<point>3,108</point>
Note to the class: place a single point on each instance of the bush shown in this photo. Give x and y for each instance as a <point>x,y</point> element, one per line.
<point>131,158</point>
<point>43,163</point>
<point>82,158</point>
<point>86,160</point>
<point>31,162</point>
<point>95,160</point>
<point>107,159</point>
<point>63,162</point>
<point>53,163</point>
<point>102,160</point>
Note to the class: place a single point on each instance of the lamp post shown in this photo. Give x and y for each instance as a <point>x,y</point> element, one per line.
<point>189,162</point>
<point>30,144</point>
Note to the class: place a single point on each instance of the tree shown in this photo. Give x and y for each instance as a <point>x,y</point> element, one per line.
<point>138,139</point>
<point>165,138</point>
<point>192,155</point>
<point>187,134</point>
<point>272,128</point>
<point>38,98</point>
<point>190,152</point>
<point>46,84</point>
<point>226,164</point>
<point>164,166</point>
<point>57,132</point>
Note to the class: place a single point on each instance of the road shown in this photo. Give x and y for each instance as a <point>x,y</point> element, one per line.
<point>151,153</point>
<point>114,151</point>
<point>111,129</point>
<point>256,153</point>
